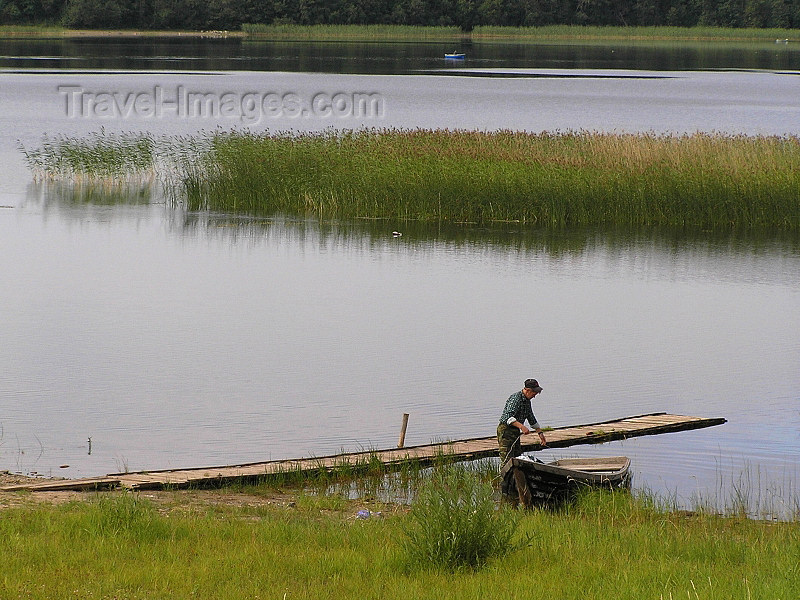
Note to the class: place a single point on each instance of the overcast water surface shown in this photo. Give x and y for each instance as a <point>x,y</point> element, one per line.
<point>135,336</point>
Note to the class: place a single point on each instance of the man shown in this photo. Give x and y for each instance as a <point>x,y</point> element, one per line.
<point>512,422</point>
<point>512,427</point>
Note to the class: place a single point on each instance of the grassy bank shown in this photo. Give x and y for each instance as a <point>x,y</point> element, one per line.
<point>661,33</point>
<point>547,180</point>
<point>551,180</point>
<point>521,34</point>
<point>58,31</point>
<point>430,33</point>
<point>251,545</point>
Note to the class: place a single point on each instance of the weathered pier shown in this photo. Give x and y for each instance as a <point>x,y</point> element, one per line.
<point>457,450</point>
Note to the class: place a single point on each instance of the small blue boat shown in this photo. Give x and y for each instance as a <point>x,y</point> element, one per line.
<point>455,56</point>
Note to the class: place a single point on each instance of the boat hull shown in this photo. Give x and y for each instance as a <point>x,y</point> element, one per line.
<point>557,482</point>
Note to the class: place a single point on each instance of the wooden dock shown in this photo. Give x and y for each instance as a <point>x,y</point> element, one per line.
<point>460,450</point>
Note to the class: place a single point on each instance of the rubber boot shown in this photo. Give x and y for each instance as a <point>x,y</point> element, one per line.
<point>523,490</point>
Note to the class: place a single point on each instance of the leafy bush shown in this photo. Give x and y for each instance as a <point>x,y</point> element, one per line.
<point>455,523</point>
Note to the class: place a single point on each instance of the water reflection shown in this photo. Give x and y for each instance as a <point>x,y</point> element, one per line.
<point>376,234</point>
<point>197,54</point>
<point>53,195</point>
<point>776,251</point>
<point>176,340</point>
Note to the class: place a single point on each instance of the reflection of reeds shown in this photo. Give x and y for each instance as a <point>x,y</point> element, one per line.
<point>106,192</point>
<point>545,179</point>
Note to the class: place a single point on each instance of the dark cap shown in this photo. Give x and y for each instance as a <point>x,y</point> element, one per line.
<point>532,384</point>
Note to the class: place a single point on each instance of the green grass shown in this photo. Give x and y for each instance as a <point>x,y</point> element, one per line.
<point>660,33</point>
<point>432,33</point>
<point>100,156</point>
<point>520,34</point>
<point>49,30</point>
<point>606,546</point>
<point>42,29</point>
<point>549,180</point>
<point>454,524</point>
<point>351,32</point>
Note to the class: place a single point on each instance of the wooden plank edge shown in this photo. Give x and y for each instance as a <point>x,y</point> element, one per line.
<point>64,485</point>
<point>623,435</point>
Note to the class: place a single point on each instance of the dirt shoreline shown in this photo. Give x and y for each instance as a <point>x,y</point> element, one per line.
<point>116,33</point>
<point>8,478</point>
<point>14,499</point>
<point>177,501</point>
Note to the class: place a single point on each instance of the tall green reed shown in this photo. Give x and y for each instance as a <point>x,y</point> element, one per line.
<point>351,32</point>
<point>550,180</point>
<point>125,516</point>
<point>521,34</point>
<point>455,524</point>
<point>100,155</point>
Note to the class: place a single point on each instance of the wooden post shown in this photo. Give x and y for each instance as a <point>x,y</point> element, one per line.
<point>402,440</point>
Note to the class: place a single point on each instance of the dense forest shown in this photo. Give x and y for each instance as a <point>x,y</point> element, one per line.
<point>466,14</point>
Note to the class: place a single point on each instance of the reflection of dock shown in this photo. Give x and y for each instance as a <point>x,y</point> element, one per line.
<point>461,450</point>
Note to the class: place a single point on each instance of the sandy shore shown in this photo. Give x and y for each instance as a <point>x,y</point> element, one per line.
<point>111,33</point>
<point>165,500</point>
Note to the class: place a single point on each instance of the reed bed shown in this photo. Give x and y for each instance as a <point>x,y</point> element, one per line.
<point>636,33</point>
<point>440,33</point>
<point>547,180</point>
<point>517,34</point>
<point>96,158</point>
<point>351,32</point>
<point>543,179</point>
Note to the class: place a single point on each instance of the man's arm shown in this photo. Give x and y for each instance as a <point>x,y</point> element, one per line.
<point>520,426</point>
<point>526,430</point>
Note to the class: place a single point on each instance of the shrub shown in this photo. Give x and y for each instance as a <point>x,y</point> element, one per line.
<point>455,523</point>
<point>123,517</point>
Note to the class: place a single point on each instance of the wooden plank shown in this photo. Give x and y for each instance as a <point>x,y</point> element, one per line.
<point>63,485</point>
<point>661,420</point>
<point>653,421</point>
<point>664,425</point>
<point>633,425</point>
<point>469,449</point>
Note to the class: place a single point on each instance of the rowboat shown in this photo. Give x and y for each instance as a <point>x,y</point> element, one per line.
<point>455,56</point>
<point>555,482</point>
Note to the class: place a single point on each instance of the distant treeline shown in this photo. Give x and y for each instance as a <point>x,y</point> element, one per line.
<point>466,14</point>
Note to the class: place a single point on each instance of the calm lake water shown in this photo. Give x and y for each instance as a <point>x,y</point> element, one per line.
<point>174,340</point>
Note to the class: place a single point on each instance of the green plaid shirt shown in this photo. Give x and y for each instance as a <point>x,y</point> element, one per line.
<point>518,408</point>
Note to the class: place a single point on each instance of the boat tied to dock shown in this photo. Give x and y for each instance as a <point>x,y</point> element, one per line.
<point>553,483</point>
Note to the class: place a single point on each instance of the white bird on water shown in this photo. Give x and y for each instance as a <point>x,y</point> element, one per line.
<point>397,234</point>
